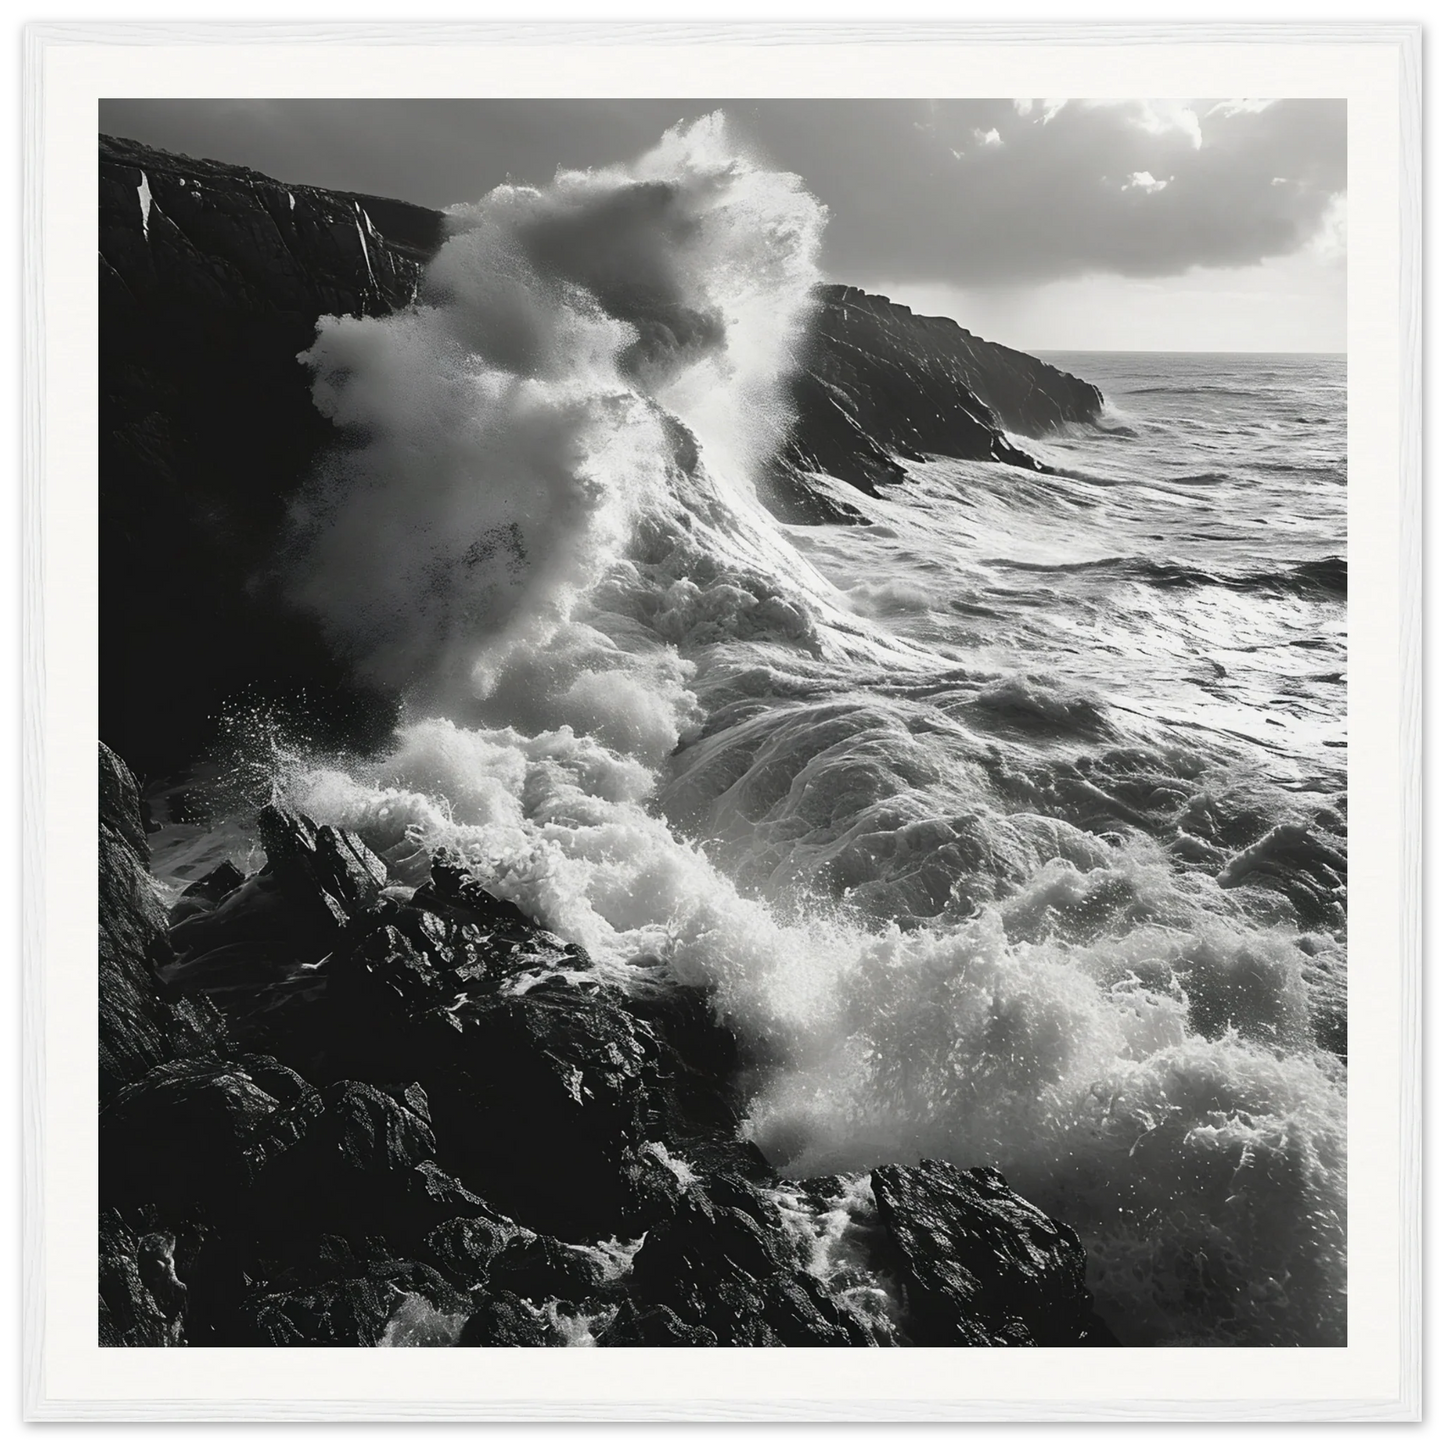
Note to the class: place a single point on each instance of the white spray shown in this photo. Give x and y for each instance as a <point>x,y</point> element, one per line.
<point>542,529</point>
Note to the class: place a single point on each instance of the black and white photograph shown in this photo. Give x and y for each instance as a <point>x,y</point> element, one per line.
<point>723,722</point>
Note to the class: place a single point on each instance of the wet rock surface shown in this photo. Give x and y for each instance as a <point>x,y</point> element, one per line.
<point>652,1327</point>
<point>980,1265</point>
<point>141,1300</point>
<point>343,1297</point>
<point>341,1111</point>
<point>142,1024</point>
<point>505,1320</point>
<point>722,1263</point>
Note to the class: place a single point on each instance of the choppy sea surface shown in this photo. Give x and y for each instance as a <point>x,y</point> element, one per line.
<point>1008,827</point>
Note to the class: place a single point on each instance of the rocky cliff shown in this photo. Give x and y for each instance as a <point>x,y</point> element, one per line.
<point>878,382</point>
<point>212,278</point>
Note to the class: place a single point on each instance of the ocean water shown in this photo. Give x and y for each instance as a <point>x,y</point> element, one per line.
<point>1008,827</point>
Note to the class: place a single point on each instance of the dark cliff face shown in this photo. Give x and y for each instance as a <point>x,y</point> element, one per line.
<point>212,278</point>
<point>211,281</point>
<point>1021,392</point>
<point>877,382</point>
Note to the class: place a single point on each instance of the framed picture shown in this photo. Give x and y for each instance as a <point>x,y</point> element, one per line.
<point>735,668</point>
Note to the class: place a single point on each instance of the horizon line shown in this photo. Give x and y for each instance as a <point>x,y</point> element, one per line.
<point>1182,351</point>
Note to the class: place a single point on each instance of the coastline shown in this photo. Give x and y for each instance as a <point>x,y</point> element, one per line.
<point>893,411</point>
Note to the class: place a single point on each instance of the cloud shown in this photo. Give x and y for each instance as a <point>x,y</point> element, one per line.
<point>1143,181</point>
<point>1239,107</point>
<point>1161,117</point>
<point>1130,188</point>
<point>1329,241</point>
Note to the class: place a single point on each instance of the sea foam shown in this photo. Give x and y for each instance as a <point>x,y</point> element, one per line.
<point>939,899</point>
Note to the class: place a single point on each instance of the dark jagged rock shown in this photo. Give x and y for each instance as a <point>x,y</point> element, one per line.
<point>141,1300</point>
<point>317,881</point>
<point>505,1320</point>
<point>1022,393</point>
<point>652,1327</point>
<point>652,1178</point>
<point>452,891</point>
<point>328,872</point>
<point>980,1265</point>
<point>429,1197</point>
<point>695,1109</point>
<point>342,1298</point>
<point>229,236</point>
<point>254,953</point>
<point>721,1264</point>
<point>257,909</point>
<point>359,1165</point>
<point>120,806</point>
<point>207,892</point>
<point>464,1247</point>
<point>467,931</point>
<point>359,1133</point>
<point>539,1268</point>
<point>543,1092</point>
<point>156,1262</point>
<point>140,1027</point>
<point>542,1096</point>
<point>791,494</point>
<point>319,898</point>
<point>192,1134</point>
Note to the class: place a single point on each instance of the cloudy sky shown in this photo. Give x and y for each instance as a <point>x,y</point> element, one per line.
<point>1213,225</point>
